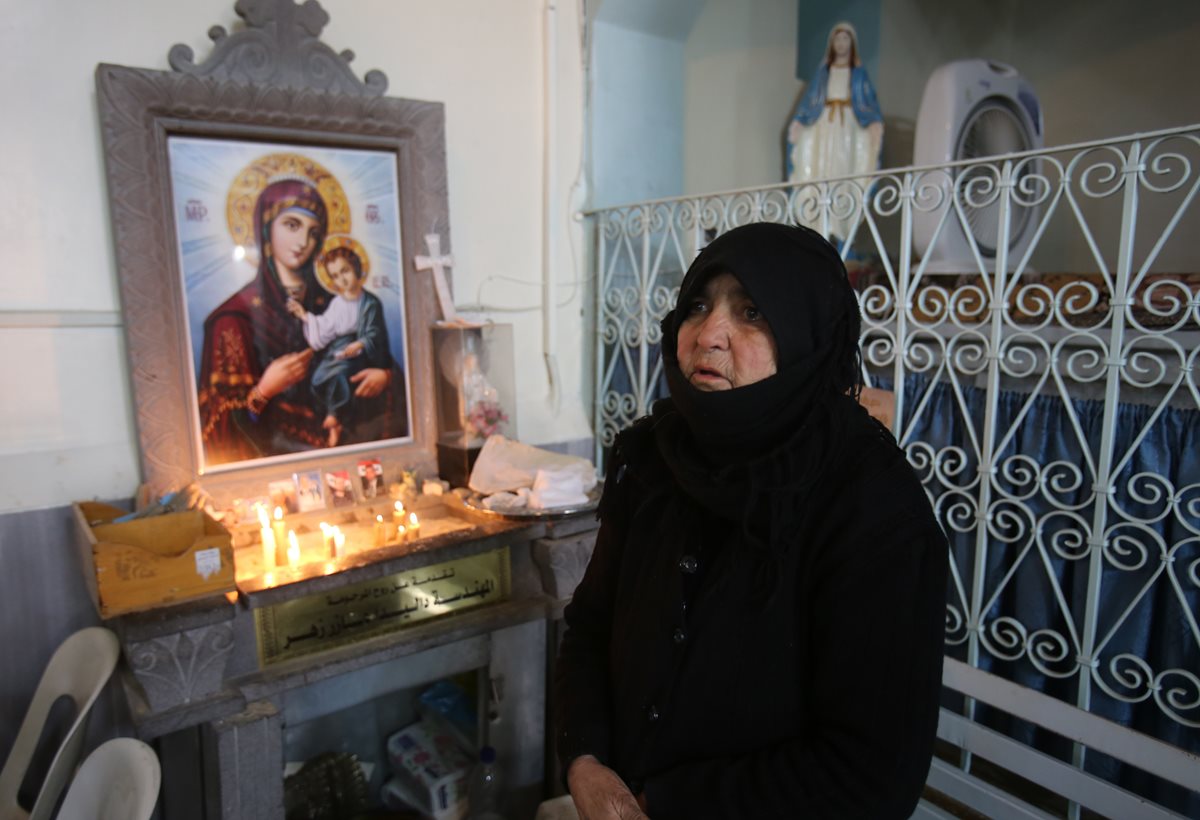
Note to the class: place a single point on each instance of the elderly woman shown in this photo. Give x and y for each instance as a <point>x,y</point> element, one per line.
<point>759,632</point>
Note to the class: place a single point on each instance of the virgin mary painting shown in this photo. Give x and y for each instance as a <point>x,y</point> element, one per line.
<point>254,392</point>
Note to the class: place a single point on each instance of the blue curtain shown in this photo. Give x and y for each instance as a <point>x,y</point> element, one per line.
<point>1156,630</point>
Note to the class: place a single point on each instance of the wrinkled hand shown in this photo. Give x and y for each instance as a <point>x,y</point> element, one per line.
<point>283,372</point>
<point>599,793</point>
<point>371,382</point>
<point>351,350</point>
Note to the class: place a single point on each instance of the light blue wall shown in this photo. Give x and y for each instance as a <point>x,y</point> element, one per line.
<point>815,19</point>
<point>636,122</point>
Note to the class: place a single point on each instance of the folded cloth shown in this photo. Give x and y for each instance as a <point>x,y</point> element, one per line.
<point>509,465</point>
<point>557,488</point>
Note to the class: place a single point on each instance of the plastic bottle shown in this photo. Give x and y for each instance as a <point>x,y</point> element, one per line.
<point>484,789</point>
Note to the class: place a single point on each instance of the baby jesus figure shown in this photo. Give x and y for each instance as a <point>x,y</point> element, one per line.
<point>349,336</point>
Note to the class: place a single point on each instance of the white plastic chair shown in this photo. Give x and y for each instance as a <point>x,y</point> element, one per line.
<point>79,668</point>
<point>118,781</point>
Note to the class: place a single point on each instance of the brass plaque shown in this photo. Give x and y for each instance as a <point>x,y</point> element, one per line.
<point>364,610</point>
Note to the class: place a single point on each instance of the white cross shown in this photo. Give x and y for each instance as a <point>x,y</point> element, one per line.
<point>438,263</point>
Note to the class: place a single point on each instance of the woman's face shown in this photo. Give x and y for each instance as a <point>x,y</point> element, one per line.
<point>841,44</point>
<point>724,341</point>
<point>293,239</point>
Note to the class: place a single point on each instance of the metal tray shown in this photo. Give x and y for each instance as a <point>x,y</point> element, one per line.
<point>475,502</point>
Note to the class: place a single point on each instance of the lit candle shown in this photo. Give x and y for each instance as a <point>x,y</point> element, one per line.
<point>380,531</point>
<point>401,534</point>
<point>414,526</point>
<point>339,543</point>
<point>269,579</point>
<point>327,538</point>
<point>280,529</point>
<point>398,513</point>
<point>293,549</point>
<point>268,538</point>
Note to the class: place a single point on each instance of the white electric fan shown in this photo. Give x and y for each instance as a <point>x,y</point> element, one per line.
<point>973,109</point>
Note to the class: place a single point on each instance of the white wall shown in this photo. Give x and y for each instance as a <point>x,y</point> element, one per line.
<point>740,89</point>
<point>66,423</point>
<point>636,115</point>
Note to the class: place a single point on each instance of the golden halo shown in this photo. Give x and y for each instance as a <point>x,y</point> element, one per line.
<point>340,241</point>
<point>251,180</point>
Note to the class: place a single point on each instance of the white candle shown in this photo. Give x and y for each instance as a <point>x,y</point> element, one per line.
<point>414,526</point>
<point>268,538</point>
<point>380,532</point>
<point>398,513</point>
<point>339,543</point>
<point>327,538</point>
<point>293,549</point>
<point>279,528</point>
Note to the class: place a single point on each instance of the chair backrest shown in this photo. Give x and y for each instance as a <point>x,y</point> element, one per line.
<point>118,781</point>
<point>79,668</point>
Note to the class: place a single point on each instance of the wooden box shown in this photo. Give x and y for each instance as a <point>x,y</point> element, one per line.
<point>152,562</point>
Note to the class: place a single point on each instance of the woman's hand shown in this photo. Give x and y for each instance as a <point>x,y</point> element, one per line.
<point>599,793</point>
<point>283,372</point>
<point>371,382</point>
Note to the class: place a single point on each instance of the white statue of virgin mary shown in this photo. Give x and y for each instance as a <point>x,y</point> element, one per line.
<point>837,129</point>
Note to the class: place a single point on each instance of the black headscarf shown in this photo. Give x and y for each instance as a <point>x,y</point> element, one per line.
<point>754,451</point>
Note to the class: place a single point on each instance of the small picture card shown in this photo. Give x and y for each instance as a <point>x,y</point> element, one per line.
<point>341,488</point>
<point>370,476</point>
<point>246,509</point>
<point>308,490</point>
<point>283,494</point>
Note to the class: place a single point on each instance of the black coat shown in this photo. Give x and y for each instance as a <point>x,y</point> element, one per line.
<point>721,697</point>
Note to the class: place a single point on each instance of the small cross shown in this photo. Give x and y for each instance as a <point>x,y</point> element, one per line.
<point>438,263</point>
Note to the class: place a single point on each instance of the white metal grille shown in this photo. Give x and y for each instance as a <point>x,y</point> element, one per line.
<point>1067,545</point>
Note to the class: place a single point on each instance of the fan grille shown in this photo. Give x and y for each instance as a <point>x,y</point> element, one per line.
<point>992,129</point>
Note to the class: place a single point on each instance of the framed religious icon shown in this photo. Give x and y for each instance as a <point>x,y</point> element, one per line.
<point>275,267</point>
<point>267,208</point>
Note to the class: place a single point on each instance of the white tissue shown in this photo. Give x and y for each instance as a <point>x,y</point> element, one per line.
<point>557,488</point>
<point>509,465</point>
<point>507,501</point>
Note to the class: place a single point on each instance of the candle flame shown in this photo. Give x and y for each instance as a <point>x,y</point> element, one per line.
<point>279,513</point>
<point>412,520</point>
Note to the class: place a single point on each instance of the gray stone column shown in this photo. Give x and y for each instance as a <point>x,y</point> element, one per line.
<point>243,762</point>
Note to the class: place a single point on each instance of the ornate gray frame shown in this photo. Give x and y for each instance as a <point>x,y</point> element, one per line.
<point>273,81</point>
